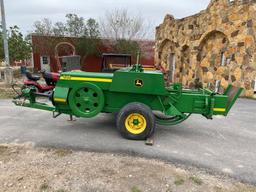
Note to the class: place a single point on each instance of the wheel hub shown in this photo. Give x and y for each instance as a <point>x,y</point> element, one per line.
<point>135,123</point>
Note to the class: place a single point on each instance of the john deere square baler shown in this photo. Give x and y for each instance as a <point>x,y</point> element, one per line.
<point>140,98</point>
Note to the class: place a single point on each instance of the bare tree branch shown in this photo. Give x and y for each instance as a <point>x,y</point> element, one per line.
<point>44,27</point>
<point>118,24</point>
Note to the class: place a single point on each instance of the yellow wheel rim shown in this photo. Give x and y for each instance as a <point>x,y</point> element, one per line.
<point>135,123</point>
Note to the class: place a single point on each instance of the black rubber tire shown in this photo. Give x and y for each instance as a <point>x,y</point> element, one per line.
<point>139,108</point>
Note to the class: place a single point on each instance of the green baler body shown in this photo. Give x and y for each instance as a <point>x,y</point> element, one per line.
<point>140,98</point>
<point>84,94</point>
<point>128,85</point>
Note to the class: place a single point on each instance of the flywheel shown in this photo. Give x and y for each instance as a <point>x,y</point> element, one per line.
<point>86,100</point>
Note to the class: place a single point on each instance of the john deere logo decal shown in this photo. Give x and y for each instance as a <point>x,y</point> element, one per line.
<point>138,83</point>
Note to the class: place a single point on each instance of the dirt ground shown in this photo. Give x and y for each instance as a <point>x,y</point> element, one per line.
<point>24,168</point>
<point>6,92</point>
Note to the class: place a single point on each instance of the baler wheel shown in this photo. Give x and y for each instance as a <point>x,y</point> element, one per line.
<point>136,121</point>
<point>86,100</point>
<point>170,120</point>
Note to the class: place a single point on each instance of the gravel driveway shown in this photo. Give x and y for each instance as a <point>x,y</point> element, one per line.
<point>223,145</point>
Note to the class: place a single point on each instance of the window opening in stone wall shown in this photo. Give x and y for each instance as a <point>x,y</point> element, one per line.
<point>223,59</point>
<point>217,86</point>
<point>172,67</point>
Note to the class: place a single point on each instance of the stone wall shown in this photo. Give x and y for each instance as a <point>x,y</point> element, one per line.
<point>215,45</point>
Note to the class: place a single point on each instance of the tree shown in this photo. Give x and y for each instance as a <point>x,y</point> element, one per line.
<point>118,24</point>
<point>124,30</point>
<point>59,29</point>
<point>19,47</point>
<point>92,28</point>
<point>1,47</point>
<point>90,43</point>
<point>43,27</point>
<point>75,25</point>
<point>127,47</point>
<point>47,28</point>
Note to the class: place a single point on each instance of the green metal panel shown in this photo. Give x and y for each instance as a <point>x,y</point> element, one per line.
<point>60,95</point>
<point>192,103</point>
<point>220,105</point>
<point>115,101</point>
<point>151,83</point>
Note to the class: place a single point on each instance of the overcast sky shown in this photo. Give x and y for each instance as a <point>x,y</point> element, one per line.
<point>24,12</point>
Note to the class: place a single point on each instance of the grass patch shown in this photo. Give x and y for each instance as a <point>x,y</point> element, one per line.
<point>6,94</point>
<point>3,149</point>
<point>62,152</point>
<point>60,190</point>
<point>136,189</point>
<point>196,180</point>
<point>179,181</point>
<point>44,187</point>
<point>6,153</point>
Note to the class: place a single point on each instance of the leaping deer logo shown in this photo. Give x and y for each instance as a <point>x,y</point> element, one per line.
<point>138,83</point>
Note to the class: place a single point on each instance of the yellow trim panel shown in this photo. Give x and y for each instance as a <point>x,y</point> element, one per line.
<point>60,100</point>
<point>150,69</point>
<point>86,79</point>
<point>219,109</point>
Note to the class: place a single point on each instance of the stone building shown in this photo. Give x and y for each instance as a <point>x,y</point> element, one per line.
<point>216,46</point>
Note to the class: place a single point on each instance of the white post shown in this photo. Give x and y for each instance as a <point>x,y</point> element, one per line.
<point>8,70</point>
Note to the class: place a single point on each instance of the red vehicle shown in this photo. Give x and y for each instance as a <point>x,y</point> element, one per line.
<point>50,79</point>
